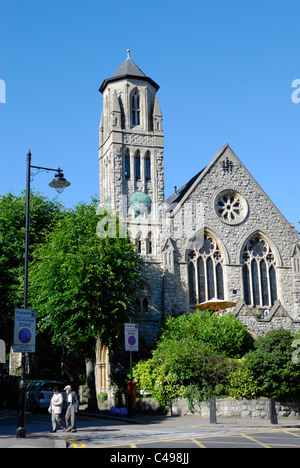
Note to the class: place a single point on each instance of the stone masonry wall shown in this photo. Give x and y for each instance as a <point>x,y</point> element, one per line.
<point>226,408</point>
<point>197,212</point>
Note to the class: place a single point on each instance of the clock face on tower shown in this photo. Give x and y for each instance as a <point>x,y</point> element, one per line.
<point>139,202</point>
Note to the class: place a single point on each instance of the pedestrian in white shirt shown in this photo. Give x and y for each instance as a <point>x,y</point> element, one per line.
<point>55,409</point>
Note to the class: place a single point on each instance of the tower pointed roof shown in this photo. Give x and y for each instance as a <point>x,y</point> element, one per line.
<point>128,69</point>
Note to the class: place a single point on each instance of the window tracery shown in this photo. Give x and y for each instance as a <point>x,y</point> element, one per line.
<point>231,207</point>
<point>259,273</point>
<point>205,272</point>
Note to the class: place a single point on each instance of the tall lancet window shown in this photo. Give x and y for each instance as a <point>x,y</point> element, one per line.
<point>137,163</point>
<point>135,108</point>
<point>148,165</point>
<point>127,164</point>
<point>259,273</point>
<point>205,272</point>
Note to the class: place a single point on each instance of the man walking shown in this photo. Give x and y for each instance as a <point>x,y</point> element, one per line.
<point>55,409</point>
<point>72,408</point>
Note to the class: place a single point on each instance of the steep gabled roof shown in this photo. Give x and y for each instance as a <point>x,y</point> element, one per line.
<point>176,200</point>
<point>128,69</point>
<point>179,194</point>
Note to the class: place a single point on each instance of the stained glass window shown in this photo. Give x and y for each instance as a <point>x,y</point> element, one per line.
<point>201,280</point>
<point>255,282</point>
<point>246,283</point>
<point>220,282</point>
<point>148,165</point>
<point>127,164</point>
<point>192,283</point>
<point>205,272</point>
<point>272,274</point>
<point>137,165</point>
<point>210,278</point>
<point>259,273</point>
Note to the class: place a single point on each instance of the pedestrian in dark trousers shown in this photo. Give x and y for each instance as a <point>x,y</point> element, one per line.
<point>72,408</point>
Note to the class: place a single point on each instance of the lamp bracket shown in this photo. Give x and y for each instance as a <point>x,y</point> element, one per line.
<point>42,169</point>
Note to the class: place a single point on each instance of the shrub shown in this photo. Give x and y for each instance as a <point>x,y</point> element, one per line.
<point>224,334</point>
<point>241,383</point>
<point>178,364</point>
<point>163,384</point>
<point>271,366</point>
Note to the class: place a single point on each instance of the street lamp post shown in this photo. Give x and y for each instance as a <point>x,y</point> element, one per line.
<point>59,183</point>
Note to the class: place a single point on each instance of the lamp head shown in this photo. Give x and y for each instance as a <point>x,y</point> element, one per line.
<point>59,182</point>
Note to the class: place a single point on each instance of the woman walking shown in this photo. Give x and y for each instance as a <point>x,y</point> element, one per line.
<point>55,409</point>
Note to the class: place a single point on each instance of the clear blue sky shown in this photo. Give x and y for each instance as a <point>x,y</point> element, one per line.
<point>225,70</point>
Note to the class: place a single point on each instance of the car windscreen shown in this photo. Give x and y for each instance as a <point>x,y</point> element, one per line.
<point>49,386</point>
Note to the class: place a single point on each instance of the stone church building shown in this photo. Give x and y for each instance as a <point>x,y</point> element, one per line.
<point>217,237</point>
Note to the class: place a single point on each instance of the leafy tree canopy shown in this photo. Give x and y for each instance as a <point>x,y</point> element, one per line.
<point>83,286</point>
<point>12,246</point>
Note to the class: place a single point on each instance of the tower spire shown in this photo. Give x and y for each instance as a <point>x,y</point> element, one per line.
<point>128,53</point>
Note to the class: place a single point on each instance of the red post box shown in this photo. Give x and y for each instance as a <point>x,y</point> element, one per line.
<point>131,392</point>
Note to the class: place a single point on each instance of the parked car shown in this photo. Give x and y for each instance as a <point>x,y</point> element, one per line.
<point>40,392</point>
<point>9,397</point>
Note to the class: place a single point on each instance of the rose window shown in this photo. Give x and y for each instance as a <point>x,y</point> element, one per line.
<point>231,207</point>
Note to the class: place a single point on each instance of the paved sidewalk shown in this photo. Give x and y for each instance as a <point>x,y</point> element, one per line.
<point>31,441</point>
<point>34,439</point>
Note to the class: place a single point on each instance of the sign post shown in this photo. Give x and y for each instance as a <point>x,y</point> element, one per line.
<point>24,342</point>
<point>131,337</point>
<point>131,344</point>
<point>24,333</point>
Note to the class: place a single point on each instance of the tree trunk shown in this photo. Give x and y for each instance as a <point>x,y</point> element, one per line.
<point>92,397</point>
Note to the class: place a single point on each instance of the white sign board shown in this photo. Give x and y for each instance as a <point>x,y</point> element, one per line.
<point>24,334</point>
<point>2,352</point>
<point>131,337</point>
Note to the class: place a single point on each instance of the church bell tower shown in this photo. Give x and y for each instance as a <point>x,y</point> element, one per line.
<point>131,153</point>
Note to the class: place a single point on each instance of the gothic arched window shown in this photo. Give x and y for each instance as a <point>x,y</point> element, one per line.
<point>135,108</point>
<point>259,273</point>
<point>149,244</point>
<point>127,164</point>
<point>137,163</point>
<point>138,243</point>
<point>148,165</point>
<point>143,302</point>
<point>205,272</point>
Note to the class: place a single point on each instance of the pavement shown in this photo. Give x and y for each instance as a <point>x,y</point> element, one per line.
<point>45,440</point>
<point>31,441</point>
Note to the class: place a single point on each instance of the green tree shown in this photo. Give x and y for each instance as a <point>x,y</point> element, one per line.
<point>83,286</point>
<point>12,246</point>
<point>271,365</point>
